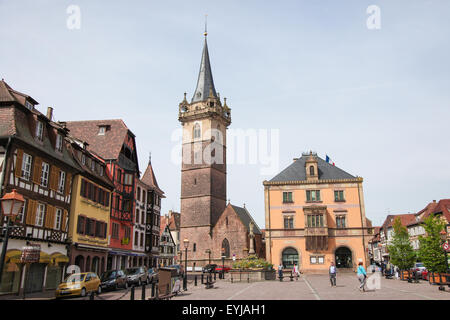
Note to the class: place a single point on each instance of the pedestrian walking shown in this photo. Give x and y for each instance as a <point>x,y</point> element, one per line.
<point>332,271</point>
<point>362,275</point>
<point>280,271</point>
<point>296,272</point>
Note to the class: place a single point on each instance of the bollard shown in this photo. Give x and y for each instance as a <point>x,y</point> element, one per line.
<point>91,296</point>
<point>195,280</point>
<point>143,292</point>
<point>215,275</point>
<point>157,293</point>
<point>153,289</point>
<point>202,278</point>
<point>132,292</point>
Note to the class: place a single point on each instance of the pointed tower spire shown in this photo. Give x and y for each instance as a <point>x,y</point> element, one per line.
<point>205,83</point>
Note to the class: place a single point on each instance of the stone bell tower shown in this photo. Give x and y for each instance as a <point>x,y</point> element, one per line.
<point>203,171</point>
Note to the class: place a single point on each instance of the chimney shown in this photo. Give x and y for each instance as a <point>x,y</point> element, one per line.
<point>49,113</point>
<point>434,201</point>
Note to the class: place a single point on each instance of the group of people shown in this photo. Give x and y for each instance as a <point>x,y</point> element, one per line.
<point>360,273</point>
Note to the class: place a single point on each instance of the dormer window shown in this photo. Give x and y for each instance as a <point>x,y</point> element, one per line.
<point>59,142</point>
<point>40,130</point>
<point>28,105</point>
<point>92,165</point>
<point>83,159</point>
<point>101,130</point>
<point>311,170</point>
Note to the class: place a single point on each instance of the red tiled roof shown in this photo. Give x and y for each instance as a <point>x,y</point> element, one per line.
<point>405,219</point>
<point>107,146</point>
<point>443,206</point>
<point>8,94</point>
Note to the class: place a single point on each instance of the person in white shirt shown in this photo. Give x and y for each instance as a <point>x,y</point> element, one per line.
<point>332,271</point>
<point>296,273</point>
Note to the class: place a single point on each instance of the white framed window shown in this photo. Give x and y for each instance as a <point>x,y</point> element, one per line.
<point>19,217</point>
<point>26,166</point>
<point>101,171</point>
<point>44,174</point>
<point>83,159</point>
<point>40,130</point>
<point>40,213</point>
<point>62,180</point>
<point>59,142</point>
<point>92,165</point>
<point>128,179</point>
<point>58,218</point>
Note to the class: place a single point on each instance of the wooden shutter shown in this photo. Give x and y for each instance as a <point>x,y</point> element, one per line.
<point>54,175</point>
<point>50,217</point>
<point>63,222</point>
<point>68,185</point>
<point>31,212</point>
<point>37,169</point>
<point>19,158</point>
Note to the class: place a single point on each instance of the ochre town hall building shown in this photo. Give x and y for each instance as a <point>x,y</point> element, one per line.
<point>314,216</point>
<point>212,227</point>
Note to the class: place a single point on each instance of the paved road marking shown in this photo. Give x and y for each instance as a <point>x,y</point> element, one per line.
<point>406,291</point>
<point>239,292</point>
<point>312,289</point>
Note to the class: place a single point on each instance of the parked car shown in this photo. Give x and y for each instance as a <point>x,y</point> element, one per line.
<point>209,268</point>
<point>152,275</point>
<point>138,275</point>
<point>113,279</point>
<point>419,268</point>
<point>225,268</point>
<point>79,284</point>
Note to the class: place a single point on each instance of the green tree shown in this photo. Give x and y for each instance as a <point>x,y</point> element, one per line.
<point>400,250</point>
<point>430,252</point>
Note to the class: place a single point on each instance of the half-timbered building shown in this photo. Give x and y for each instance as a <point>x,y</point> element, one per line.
<point>34,161</point>
<point>113,142</point>
<point>152,231</point>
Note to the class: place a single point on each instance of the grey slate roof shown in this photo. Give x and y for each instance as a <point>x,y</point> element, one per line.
<point>245,217</point>
<point>205,80</point>
<point>296,171</point>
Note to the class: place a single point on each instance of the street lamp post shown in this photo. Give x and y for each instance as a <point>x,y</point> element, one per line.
<point>186,245</point>
<point>223,263</point>
<point>443,234</point>
<point>12,203</point>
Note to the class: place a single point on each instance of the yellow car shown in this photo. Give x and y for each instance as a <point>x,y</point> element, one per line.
<point>79,284</point>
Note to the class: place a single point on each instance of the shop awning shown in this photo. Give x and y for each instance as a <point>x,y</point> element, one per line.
<point>59,257</point>
<point>13,256</point>
<point>44,258</point>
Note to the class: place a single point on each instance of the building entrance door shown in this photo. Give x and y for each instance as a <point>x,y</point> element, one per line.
<point>34,278</point>
<point>290,257</point>
<point>343,257</point>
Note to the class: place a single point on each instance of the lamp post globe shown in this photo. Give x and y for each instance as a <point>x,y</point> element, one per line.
<point>12,204</point>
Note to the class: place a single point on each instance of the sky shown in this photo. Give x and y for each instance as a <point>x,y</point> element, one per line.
<point>377,101</point>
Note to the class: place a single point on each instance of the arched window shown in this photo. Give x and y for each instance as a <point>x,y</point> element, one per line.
<point>226,248</point>
<point>311,170</point>
<point>197,131</point>
<point>289,257</point>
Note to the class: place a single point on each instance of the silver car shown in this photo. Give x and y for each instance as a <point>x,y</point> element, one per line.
<point>137,275</point>
<point>419,267</point>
